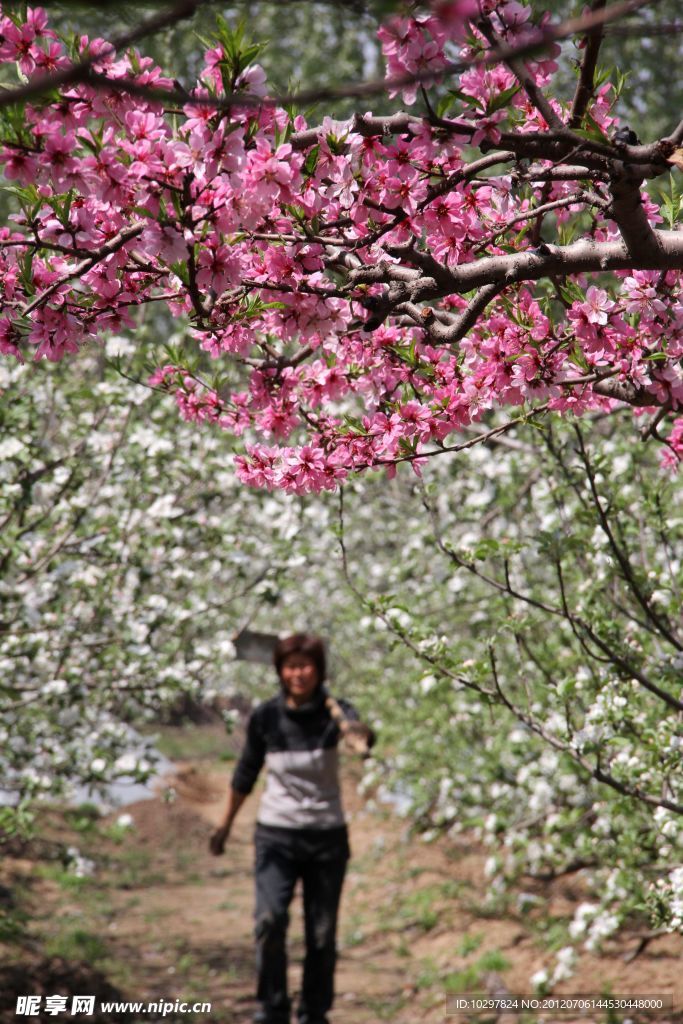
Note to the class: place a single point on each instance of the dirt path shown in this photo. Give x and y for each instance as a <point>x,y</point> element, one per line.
<point>413,922</point>
<point>163,919</point>
<point>215,918</point>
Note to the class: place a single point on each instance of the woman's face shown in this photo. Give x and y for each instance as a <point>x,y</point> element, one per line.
<point>299,677</point>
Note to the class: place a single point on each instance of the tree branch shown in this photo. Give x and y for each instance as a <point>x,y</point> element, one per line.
<point>525,79</point>
<point>494,273</point>
<point>367,125</point>
<point>596,772</point>
<point>585,84</point>
<point>81,71</point>
<point>110,247</point>
<point>660,624</point>
<point>642,241</point>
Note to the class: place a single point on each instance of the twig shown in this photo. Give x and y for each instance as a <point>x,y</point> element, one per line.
<point>585,84</point>
<point>108,249</point>
<point>621,557</point>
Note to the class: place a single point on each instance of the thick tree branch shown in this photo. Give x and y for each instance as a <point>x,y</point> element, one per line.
<point>642,241</point>
<point>367,125</point>
<point>560,172</point>
<point>462,323</point>
<point>651,159</point>
<point>497,272</point>
<point>622,391</point>
<point>676,136</point>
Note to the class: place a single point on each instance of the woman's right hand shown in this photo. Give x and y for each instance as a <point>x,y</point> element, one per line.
<point>218,839</point>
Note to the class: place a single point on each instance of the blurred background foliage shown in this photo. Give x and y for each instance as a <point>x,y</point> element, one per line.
<point>315,44</point>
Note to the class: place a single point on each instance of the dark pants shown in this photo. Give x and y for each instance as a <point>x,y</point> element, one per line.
<point>318,857</point>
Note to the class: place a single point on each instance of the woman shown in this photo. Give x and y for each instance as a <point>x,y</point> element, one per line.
<point>300,829</point>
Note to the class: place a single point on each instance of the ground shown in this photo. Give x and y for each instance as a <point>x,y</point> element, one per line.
<point>161,919</point>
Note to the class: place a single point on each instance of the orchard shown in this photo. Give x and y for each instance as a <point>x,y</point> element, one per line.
<point>484,281</point>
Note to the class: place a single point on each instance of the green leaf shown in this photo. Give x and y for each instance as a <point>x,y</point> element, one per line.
<point>27,273</point>
<point>592,130</point>
<point>179,268</point>
<point>502,99</point>
<point>311,161</point>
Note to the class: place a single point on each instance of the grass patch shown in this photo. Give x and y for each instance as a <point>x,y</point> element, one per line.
<point>158,914</point>
<point>385,1009</point>
<point>13,924</point>
<point>424,907</point>
<point>493,960</point>
<point>492,910</point>
<point>64,878</point>
<point>470,943</point>
<point>354,935</point>
<point>430,974</point>
<point>77,944</point>
<point>227,905</point>
<point>134,868</point>
<point>186,963</point>
<point>467,979</point>
<point>550,931</point>
<point>84,818</point>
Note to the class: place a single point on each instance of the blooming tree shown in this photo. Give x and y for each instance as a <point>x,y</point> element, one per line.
<point>544,613</point>
<point>367,288</point>
<point>131,558</point>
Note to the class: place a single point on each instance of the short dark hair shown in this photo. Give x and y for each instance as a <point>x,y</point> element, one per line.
<point>311,646</point>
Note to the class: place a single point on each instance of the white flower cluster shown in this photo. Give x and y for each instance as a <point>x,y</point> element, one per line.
<point>670,889</point>
<point>78,865</point>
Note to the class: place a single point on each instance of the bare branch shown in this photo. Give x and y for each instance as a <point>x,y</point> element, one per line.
<point>585,84</point>
<point>621,556</point>
<point>525,78</point>
<point>539,211</point>
<point>596,772</point>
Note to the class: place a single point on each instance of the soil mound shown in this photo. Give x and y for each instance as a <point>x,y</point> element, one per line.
<point>49,976</point>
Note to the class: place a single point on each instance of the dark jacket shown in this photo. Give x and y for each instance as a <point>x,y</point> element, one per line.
<point>299,749</point>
